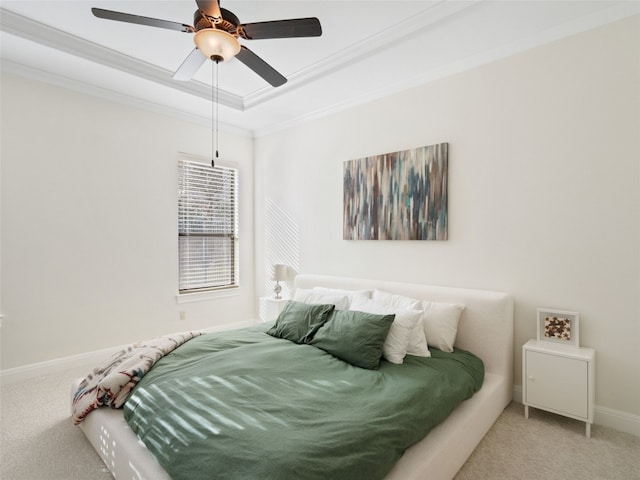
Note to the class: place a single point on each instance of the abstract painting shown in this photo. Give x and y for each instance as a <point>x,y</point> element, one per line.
<point>397,196</point>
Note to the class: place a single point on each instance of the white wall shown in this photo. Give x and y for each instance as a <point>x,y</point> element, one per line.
<point>89,224</point>
<point>544,203</point>
<point>544,182</point>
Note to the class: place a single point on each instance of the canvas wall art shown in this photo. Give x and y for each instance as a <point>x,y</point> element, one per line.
<point>397,196</point>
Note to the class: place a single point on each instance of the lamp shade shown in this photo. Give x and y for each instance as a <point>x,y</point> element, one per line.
<point>216,44</point>
<point>279,273</point>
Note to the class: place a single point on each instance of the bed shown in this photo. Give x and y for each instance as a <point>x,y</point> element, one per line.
<point>485,328</point>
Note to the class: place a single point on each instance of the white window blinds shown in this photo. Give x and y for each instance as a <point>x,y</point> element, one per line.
<point>207,226</point>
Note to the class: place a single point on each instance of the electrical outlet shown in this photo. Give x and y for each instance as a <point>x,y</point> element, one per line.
<point>183,315</point>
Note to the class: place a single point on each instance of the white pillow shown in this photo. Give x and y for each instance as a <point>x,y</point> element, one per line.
<point>417,341</point>
<point>301,294</point>
<point>440,322</point>
<point>350,294</point>
<point>395,345</point>
<point>343,291</point>
<point>395,300</point>
<point>341,302</point>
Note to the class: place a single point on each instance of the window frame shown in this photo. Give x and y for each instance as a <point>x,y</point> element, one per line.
<point>212,290</point>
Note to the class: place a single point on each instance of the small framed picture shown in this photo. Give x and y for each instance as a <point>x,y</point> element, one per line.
<point>558,326</point>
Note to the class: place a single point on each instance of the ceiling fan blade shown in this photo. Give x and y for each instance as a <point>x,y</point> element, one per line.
<point>295,27</point>
<point>190,66</point>
<point>211,8</point>
<point>151,22</point>
<point>262,68</point>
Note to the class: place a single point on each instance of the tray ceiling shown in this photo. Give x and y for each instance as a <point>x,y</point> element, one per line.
<point>368,49</point>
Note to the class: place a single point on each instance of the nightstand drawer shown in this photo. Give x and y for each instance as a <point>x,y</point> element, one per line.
<point>557,383</point>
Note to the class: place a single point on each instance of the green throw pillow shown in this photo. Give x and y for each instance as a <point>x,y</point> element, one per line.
<point>299,321</point>
<point>355,337</point>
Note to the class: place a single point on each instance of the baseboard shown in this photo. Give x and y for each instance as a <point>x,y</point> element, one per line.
<point>621,421</point>
<point>606,417</point>
<point>58,365</point>
<point>517,393</point>
<point>88,360</point>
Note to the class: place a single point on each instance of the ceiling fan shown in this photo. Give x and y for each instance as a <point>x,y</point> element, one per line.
<point>216,36</point>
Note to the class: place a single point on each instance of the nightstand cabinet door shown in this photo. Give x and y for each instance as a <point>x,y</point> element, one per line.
<point>557,383</point>
<point>560,379</point>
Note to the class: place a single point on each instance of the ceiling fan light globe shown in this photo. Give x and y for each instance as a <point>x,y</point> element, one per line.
<point>216,44</point>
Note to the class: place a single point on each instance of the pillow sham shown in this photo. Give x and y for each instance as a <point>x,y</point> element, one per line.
<point>355,337</point>
<point>418,344</point>
<point>395,345</point>
<point>440,322</point>
<point>298,321</point>
<point>303,295</point>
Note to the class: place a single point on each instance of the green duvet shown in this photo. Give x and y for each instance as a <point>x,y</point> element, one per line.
<point>242,405</point>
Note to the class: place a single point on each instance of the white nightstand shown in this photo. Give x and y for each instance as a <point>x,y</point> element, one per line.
<point>559,379</point>
<point>270,308</point>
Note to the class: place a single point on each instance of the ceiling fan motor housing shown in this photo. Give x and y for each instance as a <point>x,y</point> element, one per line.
<point>229,22</point>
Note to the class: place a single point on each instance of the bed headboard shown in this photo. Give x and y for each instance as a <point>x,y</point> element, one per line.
<point>486,324</point>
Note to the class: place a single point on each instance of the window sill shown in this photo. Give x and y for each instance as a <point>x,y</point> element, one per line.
<point>204,296</point>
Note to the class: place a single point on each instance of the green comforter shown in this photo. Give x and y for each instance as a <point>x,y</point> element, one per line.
<point>242,405</point>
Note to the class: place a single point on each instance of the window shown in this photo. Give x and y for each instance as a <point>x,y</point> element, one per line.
<point>207,226</point>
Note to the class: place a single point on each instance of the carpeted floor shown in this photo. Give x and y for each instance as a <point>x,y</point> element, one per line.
<point>551,447</point>
<point>38,442</point>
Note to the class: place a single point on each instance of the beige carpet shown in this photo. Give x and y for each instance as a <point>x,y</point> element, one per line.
<point>550,447</point>
<point>39,442</point>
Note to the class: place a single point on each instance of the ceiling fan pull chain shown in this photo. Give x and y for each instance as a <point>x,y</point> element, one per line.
<point>217,105</point>
<point>214,112</point>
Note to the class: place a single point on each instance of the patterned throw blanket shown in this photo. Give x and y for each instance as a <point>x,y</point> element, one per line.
<point>111,383</point>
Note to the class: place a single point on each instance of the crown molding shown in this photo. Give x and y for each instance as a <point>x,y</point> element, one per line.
<point>614,13</point>
<point>386,38</point>
<point>42,34</point>
<point>74,85</point>
<point>443,11</point>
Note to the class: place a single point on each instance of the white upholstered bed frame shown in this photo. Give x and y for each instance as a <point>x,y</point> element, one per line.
<point>486,329</point>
